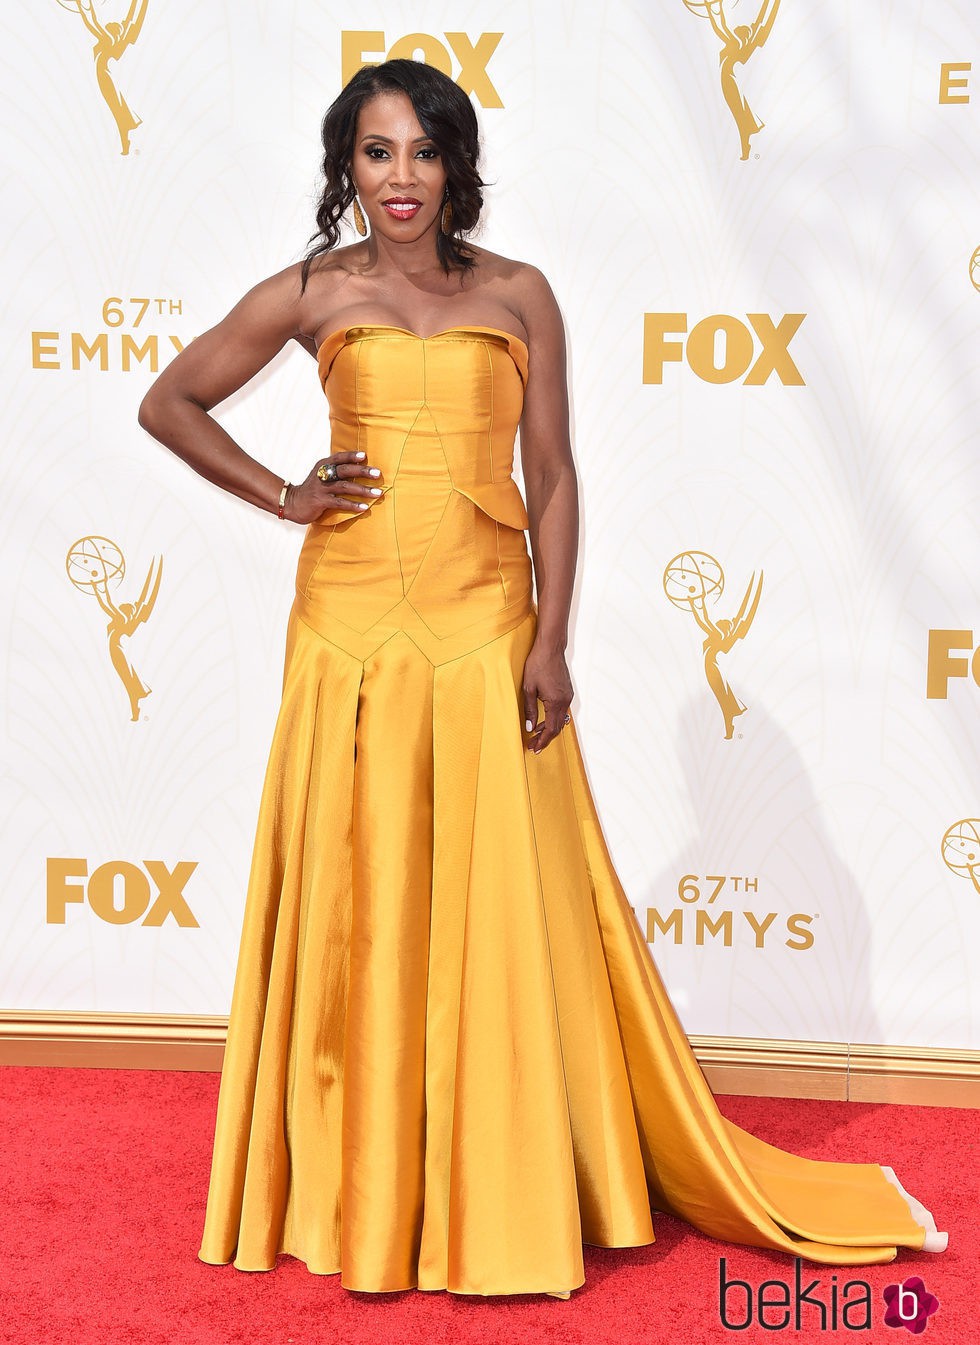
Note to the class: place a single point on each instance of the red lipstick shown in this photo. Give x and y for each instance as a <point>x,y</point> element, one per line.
<point>402,207</point>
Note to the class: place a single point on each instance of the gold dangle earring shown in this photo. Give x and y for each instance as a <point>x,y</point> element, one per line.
<point>447,215</point>
<point>359,222</point>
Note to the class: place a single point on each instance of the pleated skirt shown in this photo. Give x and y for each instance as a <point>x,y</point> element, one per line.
<point>450,1058</point>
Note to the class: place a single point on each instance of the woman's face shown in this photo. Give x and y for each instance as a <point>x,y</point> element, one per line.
<point>397,170</point>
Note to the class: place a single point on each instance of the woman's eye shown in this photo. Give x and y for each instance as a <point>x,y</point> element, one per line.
<point>427,153</point>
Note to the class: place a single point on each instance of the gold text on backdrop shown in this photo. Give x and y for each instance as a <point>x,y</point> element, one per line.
<point>693,917</point>
<point>737,45</point>
<point>720,348</point>
<point>357,46</point>
<point>961,849</point>
<point>690,580</point>
<point>954,82</point>
<point>111,40</point>
<point>95,563</point>
<point>121,352</point>
<point>68,882</point>
<point>942,663</point>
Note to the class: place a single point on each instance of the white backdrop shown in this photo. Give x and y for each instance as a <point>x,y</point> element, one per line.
<point>847,482</point>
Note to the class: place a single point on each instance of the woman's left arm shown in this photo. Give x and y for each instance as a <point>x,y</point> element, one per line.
<point>551,488</point>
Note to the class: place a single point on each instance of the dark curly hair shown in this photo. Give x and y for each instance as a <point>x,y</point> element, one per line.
<point>445,113</point>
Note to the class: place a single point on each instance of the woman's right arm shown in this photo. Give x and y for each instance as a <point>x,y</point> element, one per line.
<point>217,363</point>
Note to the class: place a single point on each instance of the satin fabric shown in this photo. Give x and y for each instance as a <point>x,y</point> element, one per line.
<point>450,1057</point>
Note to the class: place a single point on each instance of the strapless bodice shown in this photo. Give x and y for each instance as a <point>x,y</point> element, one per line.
<point>442,548</point>
<point>444,405</point>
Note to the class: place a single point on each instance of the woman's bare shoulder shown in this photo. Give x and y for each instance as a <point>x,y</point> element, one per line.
<point>506,270</point>
<point>521,285</point>
<point>338,262</point>
<point>328,276</point>
<point>285,289</point>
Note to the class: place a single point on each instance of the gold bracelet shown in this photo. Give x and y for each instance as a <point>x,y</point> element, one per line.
<point>282,499</point>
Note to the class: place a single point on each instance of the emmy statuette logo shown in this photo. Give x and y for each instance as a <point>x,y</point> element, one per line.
<point>691,581</point>
<point>961,850</point>
<point>111,40</point>
<point>975,270</point>
<point>738,45</point>
<point>358,48</point>
<point>94,565</point>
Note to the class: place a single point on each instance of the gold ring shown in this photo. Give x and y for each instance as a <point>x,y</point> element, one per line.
<point>327,471</point>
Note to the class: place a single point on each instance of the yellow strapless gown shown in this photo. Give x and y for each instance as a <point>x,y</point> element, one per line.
<point>450,1057</point>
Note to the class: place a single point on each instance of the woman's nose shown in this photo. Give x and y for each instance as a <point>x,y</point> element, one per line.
<point>402,169</point>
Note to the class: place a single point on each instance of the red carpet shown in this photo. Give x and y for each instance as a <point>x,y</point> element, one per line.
<point>104,1175</point>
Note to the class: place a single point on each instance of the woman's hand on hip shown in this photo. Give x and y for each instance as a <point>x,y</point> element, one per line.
<point>318,494</point>
<point>546,679</point>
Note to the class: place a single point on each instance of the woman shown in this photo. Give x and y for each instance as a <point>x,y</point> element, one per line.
<point>450,1058</point>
